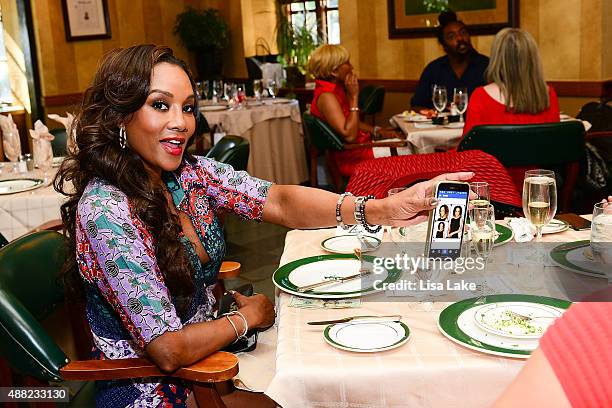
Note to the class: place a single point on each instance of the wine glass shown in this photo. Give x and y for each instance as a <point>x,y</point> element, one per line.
<point>205,90</point>
<point>460,97</point>
<point>257,89</point>
<point>539,198</point>
<point>272,88</point>
<point>483,237</point>
<point>217,90</point>
<point>480,197</point>
<point>601,236</point>
<point>439,98</point>
<point>241,93</point>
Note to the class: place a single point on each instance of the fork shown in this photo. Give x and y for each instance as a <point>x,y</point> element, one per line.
<point>528,318</point>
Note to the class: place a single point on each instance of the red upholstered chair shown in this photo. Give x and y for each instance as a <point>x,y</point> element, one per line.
<point>377,176</point>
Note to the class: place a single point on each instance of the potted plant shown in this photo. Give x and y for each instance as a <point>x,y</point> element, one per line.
<point>294,47</point>
<point>206,34</point>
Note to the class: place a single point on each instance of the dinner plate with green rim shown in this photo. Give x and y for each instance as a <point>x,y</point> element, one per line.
<point>346,244</point>
<point>14,186</point>
<point>555,226</point>
<point>573,256</point>
<point>457,323</point>
<point>306,271</point>
<point>363,336</point>
<point>521,320</point>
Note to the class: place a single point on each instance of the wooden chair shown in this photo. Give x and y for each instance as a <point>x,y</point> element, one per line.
<point>29,291</point>
<point>547,145</point>
<point>321,138</point>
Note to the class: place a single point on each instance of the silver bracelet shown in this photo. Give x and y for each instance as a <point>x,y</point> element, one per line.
<point>339,210</point>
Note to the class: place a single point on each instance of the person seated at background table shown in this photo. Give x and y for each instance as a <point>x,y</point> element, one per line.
<point>517,92</point>
<point>143,228</point>
<point>461,67</point>
<point>335,101</point>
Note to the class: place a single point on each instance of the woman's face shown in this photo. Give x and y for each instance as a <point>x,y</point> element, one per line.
<point>343,70</point>
<point>442,212</point>
<point>457,212</point>
<point>159,131</point>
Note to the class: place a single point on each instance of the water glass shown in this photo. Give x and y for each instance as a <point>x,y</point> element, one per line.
<point>481,198</point>
<point>205,90</point>
<point>439,98</point>
<point>601,236</point>
<point>257,89</point>
<point>539,198</point>
<point>272,88</point>
<point>199,90</point>
<point>217,90</point>
<point>460,98</point>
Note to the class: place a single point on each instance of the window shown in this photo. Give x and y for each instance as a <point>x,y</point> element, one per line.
<point>320,17</point>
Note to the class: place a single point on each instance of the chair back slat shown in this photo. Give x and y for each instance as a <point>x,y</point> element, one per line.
<point>320,134</point>
<point>233,150</point>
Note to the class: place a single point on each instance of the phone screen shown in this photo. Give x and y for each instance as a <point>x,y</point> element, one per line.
<point>447,222</point>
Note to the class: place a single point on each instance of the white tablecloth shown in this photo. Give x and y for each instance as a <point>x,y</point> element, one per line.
<point>22,212</point>
<point>274,131</point>
<point>428,371</point>
<point>425,138</point>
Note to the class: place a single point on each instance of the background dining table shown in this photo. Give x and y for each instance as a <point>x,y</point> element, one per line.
<point>297,368</point>
<point>274,131</point>
<point>22,212</point>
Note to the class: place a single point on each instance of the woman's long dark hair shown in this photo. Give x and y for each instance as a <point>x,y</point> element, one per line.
<point>120,87</point>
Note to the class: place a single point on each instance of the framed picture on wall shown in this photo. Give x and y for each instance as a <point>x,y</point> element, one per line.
<point>419,18</point>
<point>86,19</point>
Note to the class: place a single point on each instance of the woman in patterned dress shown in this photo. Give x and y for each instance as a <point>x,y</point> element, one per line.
<point>142,218</point>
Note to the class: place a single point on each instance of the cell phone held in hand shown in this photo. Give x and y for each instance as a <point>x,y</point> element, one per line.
<point>446,221</point>
<point>575,221</point>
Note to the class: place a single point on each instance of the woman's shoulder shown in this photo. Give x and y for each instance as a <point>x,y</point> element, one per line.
<point>102,195</point>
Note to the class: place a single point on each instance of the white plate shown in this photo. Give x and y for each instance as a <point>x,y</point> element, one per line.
<point>57,161</point>
<point>281,100</point>
<point>12,186</point>
<point>495,318</point>
<point>212,108</point>
<point>414,118</point>
<point>346,244</point>
<point>367,336</point>
<point>455,125</point>
<point>554,227</point>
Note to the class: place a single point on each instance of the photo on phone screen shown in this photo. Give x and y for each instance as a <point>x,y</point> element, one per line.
<point>447,220</point>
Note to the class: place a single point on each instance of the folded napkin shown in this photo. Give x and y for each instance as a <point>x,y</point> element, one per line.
<point>10,138</point>
<point>523,230</point>
<point>41,142</point>
<point>67,122</point>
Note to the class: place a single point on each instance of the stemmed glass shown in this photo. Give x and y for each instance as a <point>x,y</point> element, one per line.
<point>272,88</point>
<point>601,236</point>
<point>539,198</point>
<point>257,89</point>
<point>439,98</point>
<point>240,94</point>
<point>483,237</point>
<point>460,97</point>
<point>217,90</point>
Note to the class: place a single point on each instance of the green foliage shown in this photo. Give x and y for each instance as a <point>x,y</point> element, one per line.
<point>201,29</point>
<point>294,44</point>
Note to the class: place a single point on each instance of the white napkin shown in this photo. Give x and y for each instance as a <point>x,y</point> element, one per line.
<point>41,141</point>
<point>67,122</point>
<point>424,125</point>
<point>10,138</point>
<point>523,230</point>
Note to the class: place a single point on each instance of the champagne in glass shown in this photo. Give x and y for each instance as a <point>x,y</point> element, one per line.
<point>480,198</point>
<point>439,98</point>
<point>539,198</point>
<point>460,97</point>
<point>601,236</point>
<point>483,237</point>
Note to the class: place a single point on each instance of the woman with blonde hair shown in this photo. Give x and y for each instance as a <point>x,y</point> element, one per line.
<point>335,101</point>
<point>517,92</point>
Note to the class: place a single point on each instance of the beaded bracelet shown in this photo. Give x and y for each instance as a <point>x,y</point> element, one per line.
<point>339,212</point>
<point>360,214</point>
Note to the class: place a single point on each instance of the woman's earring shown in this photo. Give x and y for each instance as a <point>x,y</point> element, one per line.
<point>122,137</point>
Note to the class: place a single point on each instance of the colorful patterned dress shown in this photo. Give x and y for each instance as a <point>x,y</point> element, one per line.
<point>128,304</point>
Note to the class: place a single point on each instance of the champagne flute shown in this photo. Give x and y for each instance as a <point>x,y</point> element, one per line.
<point>539,198</point>
<point>482,198</point>
<point>439,98</point>
<point>601,236</point>
<point>483,237</point>
<point>460,97</point>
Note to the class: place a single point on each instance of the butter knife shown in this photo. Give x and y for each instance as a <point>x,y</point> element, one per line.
<point>312,286</point>
<point>393,318</point>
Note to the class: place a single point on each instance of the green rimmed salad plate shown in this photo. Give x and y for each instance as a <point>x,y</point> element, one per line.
<point>458,322</point>
<point>367,336</point>
<point>572,256</point>
<point>19,185</point>
<point>306,271</point>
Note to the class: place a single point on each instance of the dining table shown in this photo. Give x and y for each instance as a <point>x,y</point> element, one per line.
<point>273,128</point>
<point>22,212</point>
<point>297,368</point>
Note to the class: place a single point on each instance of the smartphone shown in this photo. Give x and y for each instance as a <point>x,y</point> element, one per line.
<point>575,221</point>
<point>446,221</point>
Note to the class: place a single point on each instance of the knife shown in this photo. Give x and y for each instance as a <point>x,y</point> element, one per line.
<point>393,318</point>
<point>312,286</point>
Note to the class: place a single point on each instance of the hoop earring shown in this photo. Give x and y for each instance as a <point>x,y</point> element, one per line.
<point>122,137</point>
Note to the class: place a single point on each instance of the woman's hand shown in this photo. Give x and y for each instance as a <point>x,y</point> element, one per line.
<point>412,205</point>
<point>351,84</point>
<point>256,309</point>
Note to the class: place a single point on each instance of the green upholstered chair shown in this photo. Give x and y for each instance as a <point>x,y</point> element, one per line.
<point>30,291</point>
<point>233,150</point>
<point>371,100</point>
<point>321,138</point>
<point>547,145</point>
<point>59,143</point>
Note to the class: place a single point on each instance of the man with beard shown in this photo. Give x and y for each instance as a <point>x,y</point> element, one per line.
<point>461,67</point>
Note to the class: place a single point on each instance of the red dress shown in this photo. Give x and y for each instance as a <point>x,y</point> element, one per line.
<point>345,159</point>
<point>484,110</point>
